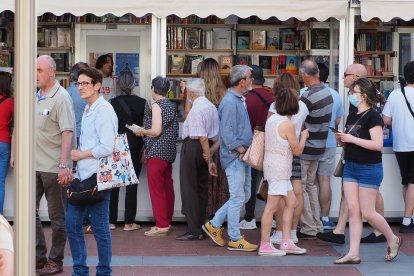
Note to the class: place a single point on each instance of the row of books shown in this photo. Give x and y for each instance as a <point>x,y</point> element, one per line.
<point>54,37</point>
<point>193,19</point>
<point>197,38</point>
<point>377,65</point>
<point>373,41</point>
<point>271,65</point>
<point>283,39</point>
<point>91,18</point>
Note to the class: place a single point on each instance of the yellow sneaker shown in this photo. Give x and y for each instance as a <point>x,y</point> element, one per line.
<point>214,233</point>
<point>241,245</point>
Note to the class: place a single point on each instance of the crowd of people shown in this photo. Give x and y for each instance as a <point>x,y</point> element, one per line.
<point>301,134</point>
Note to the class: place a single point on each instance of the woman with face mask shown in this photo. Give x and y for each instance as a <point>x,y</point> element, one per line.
<point>363,171</point>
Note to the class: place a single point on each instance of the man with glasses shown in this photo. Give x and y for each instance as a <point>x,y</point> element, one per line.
<point>351,74</point>
<point>235,137</point>
<point>55,124</point>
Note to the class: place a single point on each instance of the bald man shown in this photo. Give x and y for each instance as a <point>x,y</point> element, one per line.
<point>351,74</point>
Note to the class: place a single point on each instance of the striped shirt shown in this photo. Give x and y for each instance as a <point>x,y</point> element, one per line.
<point>319,101</point>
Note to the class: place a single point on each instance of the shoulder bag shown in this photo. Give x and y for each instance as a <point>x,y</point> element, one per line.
<point>405,97</point>
<point>263,190</point>
<point>255,153</point>
<point>84,192</point>
<point>339,170</point>
<point>117,169</point>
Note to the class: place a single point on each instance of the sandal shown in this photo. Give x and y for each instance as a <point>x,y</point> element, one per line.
<point>348,260</point>
<point>156,231</point>
<point>391,255</point>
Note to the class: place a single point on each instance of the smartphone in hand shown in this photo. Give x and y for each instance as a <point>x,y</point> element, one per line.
<point>334,130</point>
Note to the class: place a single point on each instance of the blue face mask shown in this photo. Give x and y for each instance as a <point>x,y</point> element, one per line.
<point>354,100</point>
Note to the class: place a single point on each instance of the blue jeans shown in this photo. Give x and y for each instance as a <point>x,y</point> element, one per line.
<point>239,178</point>
<point>4,165</point>
<point>99,217</point>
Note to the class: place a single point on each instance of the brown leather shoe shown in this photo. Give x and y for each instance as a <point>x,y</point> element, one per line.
<point>51,268</point>
<point>40,264</point>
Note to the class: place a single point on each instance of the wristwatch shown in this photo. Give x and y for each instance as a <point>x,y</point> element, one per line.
<point>62,166</point>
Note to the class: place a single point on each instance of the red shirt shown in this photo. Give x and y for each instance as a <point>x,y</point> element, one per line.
<point>6,115</point>
<point>256,108</point>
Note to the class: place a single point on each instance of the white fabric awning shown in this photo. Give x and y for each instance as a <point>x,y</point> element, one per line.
<point>282,9</point>
<point>387,9</point>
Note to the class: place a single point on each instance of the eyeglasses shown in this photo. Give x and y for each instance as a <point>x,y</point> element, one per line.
<point>82,83</point>
<point>352,92</point>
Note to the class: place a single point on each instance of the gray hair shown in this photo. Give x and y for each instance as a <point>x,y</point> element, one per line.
<point>310,68</point>
<point>196,86</point>
<point>161,85</point>
<point>50,61</point>
<point>238,73</point>
<point>126,82</point>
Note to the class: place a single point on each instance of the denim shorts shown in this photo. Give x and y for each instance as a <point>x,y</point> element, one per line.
<point>366,175</point>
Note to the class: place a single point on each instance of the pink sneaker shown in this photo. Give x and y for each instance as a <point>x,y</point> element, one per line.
<point>290,247</point>
<point>267,249</point>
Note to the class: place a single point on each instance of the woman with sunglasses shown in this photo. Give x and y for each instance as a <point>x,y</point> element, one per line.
<point>363,171</point>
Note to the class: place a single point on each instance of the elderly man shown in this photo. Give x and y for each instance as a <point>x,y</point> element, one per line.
<point>318,100</point>
<point>351,74</point>
<point>201,127</point>
<point>399,115</point>
<point>55,123</point>
<point>235,138</point>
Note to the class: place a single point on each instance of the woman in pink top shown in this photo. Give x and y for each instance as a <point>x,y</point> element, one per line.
<point>6,115</point>
<point>280,143</point>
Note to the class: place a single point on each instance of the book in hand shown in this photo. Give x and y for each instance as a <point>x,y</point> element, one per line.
<point>133,127</point>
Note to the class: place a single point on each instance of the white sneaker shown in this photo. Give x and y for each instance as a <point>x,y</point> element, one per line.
<point>274,224</point>
<point>293,236</point>
<point>276,237</point>
<point>248,225</point>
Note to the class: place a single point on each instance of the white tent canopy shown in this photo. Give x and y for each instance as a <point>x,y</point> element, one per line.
<point>387,9</point>
<point>282,9</point>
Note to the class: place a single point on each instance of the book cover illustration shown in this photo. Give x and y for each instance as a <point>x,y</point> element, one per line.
<point>258,40</point>
<point>130,61</point>
<point>191,62</point>
<point>243,60</point>
<point>292,65</point>
<point>63,37</point>
<point>225,64</point>
<point>40,38</point>
<point>221,38</point>
<point>287,39</point>
<point>320,39</point>
<point>192,38</point>
<point>265,62</point>
<point>272,40</point>
<point>177,64</point>
<point>243,40</point>
<point>61,60</point>
<point>4,58</point>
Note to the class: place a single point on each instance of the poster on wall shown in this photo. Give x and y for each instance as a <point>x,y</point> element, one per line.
<point>128,60</point>
<point>93,56</point>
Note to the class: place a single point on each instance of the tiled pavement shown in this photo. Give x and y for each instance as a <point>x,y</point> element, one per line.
<point>136,254</point>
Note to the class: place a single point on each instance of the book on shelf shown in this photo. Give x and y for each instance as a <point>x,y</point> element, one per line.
<point>287,37</point>
<point>265,62</point>
<point>41,37</point>
<point>320,39</point>
<point>242,60</point>
<point>5,58</point>
<point>192,38</point>
<point>222,38</point>
<point>61,60</point>
<point>191,62</point>
<point>273,40</point>
<point>176,63</point>
<point>258,41</point>
<point>275,65</point>
<point>50,37</point>
<point>291,64</point>
<point>225,64</point>
<point>63,37</point>
<point>208,39</point>
<point>178,38</point>
<point>282,64</point>
<point>243,40</point>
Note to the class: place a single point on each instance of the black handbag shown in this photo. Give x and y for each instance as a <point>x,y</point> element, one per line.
<point>84,192</point>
